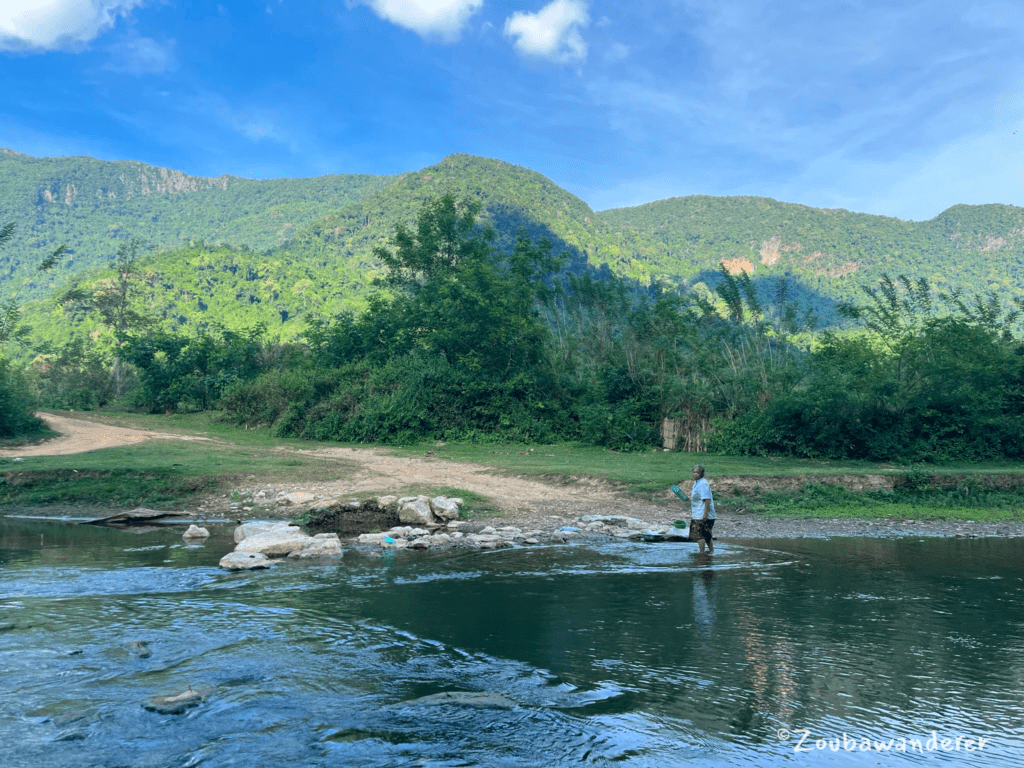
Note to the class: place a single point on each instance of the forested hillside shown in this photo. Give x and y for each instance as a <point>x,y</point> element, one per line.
<point>234,252</point>
<point>93,205</point>
<point>831,253</point>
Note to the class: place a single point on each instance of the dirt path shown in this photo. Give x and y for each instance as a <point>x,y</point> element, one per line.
<point>80,436</point>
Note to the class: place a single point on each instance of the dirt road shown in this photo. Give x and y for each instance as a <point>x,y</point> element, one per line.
<point>80,436</point>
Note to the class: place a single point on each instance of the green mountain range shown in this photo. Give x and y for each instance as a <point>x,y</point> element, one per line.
<point>237,251</point>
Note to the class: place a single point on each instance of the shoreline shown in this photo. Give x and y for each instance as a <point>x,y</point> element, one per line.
<point>551,516</point>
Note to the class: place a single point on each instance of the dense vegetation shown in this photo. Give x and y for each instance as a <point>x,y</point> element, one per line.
<point>465,301</point>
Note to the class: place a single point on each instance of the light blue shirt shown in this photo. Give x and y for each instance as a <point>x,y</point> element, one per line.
<point>701,490</point>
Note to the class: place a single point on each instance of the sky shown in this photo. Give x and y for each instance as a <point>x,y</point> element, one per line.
<point>897,108</point>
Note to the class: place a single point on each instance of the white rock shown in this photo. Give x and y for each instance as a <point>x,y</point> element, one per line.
<point>416,513</point>
<point>371,538</point>
<point>488,531</point>
<point>383,501</point>
<point>254,527</point>
<point>444,508</point>
<point>278,541</point>
<point>322,545</point>
<point>195,532</point>
<point>245,561</point>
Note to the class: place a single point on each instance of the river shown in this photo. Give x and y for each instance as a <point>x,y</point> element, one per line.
<point>769,653</point>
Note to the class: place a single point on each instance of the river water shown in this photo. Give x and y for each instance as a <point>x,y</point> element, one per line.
<point>770,652</point>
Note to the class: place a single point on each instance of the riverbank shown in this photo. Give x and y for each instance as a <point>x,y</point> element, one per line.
<point>293,476</point>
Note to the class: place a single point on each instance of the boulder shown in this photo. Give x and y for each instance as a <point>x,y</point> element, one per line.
<point>416,512</point>
<point>252,528</point>
<point>245,561</point>
<point>444,508</point>
<point>195,532</point>
<point>321,545</point>
<point>275,542</point>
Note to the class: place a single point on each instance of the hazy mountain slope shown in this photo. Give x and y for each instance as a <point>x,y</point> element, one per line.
<point>832,252</point>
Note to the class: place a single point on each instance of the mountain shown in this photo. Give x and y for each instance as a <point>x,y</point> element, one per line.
<point>93,205</point>
<point>301,247</point>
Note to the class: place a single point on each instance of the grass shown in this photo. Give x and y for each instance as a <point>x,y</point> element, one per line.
<point>163,473</point>
<point>649,473</point>
<point>966,501</point>
<point>166,472</point>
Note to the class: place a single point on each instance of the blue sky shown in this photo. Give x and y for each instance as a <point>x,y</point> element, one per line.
<point>895,108</point>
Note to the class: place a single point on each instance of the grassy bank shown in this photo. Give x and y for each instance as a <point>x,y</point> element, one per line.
<point>169,472</point>
<point>162,473</point>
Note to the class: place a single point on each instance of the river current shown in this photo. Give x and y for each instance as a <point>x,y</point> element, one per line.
<point>770,652</point>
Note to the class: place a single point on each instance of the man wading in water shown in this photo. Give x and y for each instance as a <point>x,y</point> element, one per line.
<point>702,511</point>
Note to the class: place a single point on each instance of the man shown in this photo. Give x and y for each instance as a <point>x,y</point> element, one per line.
<point>702,511</point>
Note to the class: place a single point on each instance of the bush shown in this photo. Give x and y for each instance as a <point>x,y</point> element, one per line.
<point>16,417</point>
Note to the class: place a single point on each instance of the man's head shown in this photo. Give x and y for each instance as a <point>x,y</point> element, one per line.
<point>698,472</point>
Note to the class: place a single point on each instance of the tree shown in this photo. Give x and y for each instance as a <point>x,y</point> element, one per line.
<point>115,300</point>
<point>15,402</point>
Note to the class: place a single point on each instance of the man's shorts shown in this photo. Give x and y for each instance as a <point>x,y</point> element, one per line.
<point>701,529</point>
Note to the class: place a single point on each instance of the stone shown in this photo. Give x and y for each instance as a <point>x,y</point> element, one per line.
<point>277,541</point>
<point>416,513</point>
<point>384,501</point>
<point>371,538</point>
<point>245,561</point>
<point>252,528</point>
<point>195,532</point>
<point>444,508</point>
<point>174,705</point>
<point>138,648</point>
<point>321,545</point>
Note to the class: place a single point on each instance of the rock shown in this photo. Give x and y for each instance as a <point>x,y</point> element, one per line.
<point>195,532</point>
<point>174,705</point>
<point>72,734</point>
<point>384,501</point>
<point>137,515</point>
<point>322,545</point>
<point>371,538</point>
<point>245,561</point>
<point>277,541</point>
<point>252,528</point>
<point>138,648</point>
<point>444,508</point>
<point>490,699</point>
<point>416,512</point>
<point>568,529</point>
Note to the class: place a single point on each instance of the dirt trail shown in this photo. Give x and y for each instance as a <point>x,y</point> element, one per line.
<point>80,436</point>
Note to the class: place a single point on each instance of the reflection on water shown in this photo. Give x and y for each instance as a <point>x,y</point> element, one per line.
<point>645,655</point>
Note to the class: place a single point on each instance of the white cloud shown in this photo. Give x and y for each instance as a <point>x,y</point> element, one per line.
<point>551,33</point>
<point>441,19</point>
<point>142,56</point>
<point>47,25</point>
